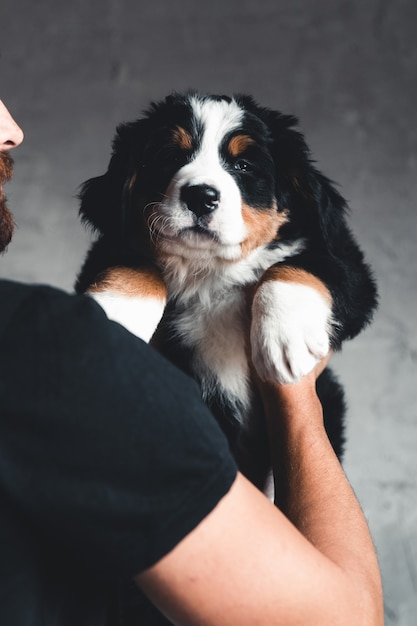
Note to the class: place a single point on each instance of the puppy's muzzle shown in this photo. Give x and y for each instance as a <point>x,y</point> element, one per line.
<point>200,199</point>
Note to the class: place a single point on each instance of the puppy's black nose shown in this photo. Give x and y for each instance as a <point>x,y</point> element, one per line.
<point>200,199</point>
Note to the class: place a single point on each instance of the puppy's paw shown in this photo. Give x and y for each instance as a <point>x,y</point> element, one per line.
<point>290,330</point>
<point>133,297</point>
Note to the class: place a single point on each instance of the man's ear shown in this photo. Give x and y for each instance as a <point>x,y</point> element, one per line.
<point>105,200</point>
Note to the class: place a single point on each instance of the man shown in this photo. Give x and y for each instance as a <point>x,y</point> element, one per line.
<point>10,137</point>
<point>110,466</point>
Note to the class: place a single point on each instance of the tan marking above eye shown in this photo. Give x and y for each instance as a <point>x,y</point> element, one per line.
<point>182,138</point>
<point>238,144</point>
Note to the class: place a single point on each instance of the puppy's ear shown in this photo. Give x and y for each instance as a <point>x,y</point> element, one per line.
<point>105,200</point>
<point>311,197</point>
<point>328,208</point>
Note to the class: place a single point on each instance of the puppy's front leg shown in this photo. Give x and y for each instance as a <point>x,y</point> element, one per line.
<point>291,324</point>
<point>134,297</point>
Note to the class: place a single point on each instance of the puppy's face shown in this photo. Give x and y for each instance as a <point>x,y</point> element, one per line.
<point>207,187</point>
<point>208,178</point>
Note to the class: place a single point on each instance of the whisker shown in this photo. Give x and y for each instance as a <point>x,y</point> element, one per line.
<point>157,225</point>
<point>149,206</point>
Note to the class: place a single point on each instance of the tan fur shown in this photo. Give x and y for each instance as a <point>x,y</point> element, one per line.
<point>263,226</point>
<point>238,144</point>
<point>144,282</point>
<point>285,273</point>
<point>182,138</point>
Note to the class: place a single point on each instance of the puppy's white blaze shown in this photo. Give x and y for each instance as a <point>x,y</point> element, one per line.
<point>291,325</point>
<point>217,117</point>
<point>218,120</point>
<point>140,316</point>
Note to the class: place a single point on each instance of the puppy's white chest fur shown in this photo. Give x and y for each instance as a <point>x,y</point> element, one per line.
<point>216,332</point>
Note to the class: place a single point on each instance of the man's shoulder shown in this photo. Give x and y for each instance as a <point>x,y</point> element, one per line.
<point>17,291</point>
<point>14,295</point>
<point>37,300</point>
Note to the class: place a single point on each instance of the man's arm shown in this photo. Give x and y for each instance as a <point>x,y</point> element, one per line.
<point>249,563</point>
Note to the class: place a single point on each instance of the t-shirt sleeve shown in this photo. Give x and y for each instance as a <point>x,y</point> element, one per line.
<point>104,445</point>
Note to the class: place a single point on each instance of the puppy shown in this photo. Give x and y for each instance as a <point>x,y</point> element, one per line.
<point>219,239</point>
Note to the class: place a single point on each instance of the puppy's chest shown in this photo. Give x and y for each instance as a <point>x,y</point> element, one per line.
<point>214,333</point>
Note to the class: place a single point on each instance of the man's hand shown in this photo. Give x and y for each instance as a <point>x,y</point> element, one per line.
<point>295,402</point>
<point>247,563</point>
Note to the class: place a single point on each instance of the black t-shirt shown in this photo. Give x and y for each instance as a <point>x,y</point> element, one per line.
<point>108,458</point>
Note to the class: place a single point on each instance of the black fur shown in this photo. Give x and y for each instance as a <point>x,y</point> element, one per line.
<point>280,165</point>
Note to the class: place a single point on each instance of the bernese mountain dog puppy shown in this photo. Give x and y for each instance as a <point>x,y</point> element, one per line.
<point>219,239</point>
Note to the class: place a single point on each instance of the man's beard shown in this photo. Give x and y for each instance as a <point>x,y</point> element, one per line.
<point>6,218</point>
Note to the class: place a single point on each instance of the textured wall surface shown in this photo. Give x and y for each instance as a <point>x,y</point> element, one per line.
<point>70,71</point>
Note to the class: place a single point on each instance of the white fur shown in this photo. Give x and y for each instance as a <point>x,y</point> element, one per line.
<point>220,117</point>
<point>140,316</point>
<point>290,330</point>
<point>212,317</point>
<point>191,272</point>
<point>217,335</point>
<point>172,218</point>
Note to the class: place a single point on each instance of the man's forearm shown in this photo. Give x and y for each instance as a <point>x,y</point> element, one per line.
<point>246,563</point>
<point>312,489</point>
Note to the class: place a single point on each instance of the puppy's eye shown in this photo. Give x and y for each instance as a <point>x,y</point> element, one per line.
<point>243,166</point>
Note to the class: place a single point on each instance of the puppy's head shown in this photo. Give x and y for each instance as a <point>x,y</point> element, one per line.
<point>208,177</point>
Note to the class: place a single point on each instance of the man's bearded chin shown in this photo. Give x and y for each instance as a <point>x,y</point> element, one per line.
<point>6,218</point>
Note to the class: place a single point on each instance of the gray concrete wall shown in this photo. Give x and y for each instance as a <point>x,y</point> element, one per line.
<point>71,70</point>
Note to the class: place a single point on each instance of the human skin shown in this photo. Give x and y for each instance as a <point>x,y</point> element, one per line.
<point>10,137</point>
<point>310,562</point>
<point>249,562</point>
